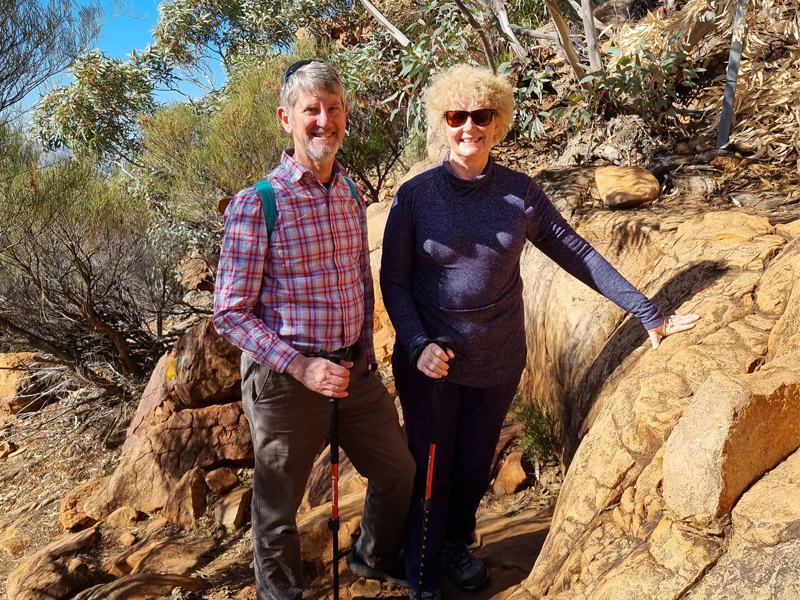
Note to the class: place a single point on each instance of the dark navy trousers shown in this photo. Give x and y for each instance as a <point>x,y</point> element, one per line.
<point>470,420</point>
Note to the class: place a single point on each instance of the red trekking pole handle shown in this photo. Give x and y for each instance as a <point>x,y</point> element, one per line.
<point>444,344</point>
<point>333,522</point>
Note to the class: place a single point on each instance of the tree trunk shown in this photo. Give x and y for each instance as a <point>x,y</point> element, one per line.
<point>587,14</point>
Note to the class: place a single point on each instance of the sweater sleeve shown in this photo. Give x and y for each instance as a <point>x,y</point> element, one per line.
<point>397,274</point>
<point>551,233</point>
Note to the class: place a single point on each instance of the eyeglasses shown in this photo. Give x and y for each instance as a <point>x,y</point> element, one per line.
<point>299,64</point>
<point>481,117</point>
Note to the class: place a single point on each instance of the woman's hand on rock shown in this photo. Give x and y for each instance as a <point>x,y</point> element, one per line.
<point>433,361</point>
<point>671,325</point>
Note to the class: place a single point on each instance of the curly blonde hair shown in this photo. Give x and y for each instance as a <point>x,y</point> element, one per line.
<point>472,84</point>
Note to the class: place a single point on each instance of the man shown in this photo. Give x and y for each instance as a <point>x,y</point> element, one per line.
<point>283,299</point>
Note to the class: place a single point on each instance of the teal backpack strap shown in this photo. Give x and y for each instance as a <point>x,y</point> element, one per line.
<point>353,191</point>
<point>268,205</point>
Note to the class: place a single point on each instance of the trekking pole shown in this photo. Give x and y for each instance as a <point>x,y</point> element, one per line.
<point>444,344</point>
<point>333,521</point>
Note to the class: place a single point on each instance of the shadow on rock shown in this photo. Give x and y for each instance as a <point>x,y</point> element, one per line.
<point>579,409</point>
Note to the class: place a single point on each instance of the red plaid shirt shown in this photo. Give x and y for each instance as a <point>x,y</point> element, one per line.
<point>308,288</point>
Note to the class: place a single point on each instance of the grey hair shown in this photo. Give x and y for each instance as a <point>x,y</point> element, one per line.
<point>316,75</point>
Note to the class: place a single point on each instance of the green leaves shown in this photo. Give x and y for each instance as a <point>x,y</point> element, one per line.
<point>99,110</point>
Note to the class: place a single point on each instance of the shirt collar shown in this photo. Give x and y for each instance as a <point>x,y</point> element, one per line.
<point>295,171</point>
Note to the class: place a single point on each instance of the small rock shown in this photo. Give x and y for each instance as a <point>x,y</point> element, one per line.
<point>726,163</point>
<point>365,588</point>
<point>229,511</point>
<point>14,540</point>
<point>625,187</point>
<point>512,476</point>
<point>72,506</point>
<point>7,448</point>
<point>124,516</point>
<point>222,480</point>
<point>127,539</point>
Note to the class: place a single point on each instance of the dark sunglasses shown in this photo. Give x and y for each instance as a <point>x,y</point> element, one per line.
<point>297,65</point>
<point>481,117</point>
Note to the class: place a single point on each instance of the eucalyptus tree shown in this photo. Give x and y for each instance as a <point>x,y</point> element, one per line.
<point>37,41</point>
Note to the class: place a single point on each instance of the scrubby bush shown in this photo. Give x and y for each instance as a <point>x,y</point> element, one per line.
<point>79,264</point>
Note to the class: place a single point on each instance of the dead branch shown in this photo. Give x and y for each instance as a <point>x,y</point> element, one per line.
<point>662,165</point>
<point>542,35</point>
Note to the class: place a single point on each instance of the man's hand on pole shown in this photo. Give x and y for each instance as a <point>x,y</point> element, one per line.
<point>671,325</point>
<point>321,375</point>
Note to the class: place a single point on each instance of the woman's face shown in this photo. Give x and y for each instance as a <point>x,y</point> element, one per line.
<point>470,143</point>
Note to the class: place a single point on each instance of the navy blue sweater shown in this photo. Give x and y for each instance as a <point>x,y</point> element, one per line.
<point>450,267</point>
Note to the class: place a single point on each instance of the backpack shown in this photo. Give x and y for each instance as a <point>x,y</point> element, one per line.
<point>270,208</point>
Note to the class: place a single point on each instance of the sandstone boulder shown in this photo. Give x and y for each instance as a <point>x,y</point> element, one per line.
<point>625,187</point>
<point>195,274</point>
<point>72,513</point>
<point>319,490</point>
<point>736,429</point>
<point>512,477</point>
<point>202,438</point>
<point>15,382</point>
<point>317,551</point>
<point>221,480</point>
<point>124,516</point>
<point>764,553</point>
<point>52,580</point>
<point>613,534</point>
<point>229,510</point>
<point>201,370</point>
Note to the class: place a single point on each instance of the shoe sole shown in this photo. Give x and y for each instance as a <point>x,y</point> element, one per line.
<point>367,572</point>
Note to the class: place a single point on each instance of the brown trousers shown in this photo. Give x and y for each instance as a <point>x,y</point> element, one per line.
<point>289,424</point>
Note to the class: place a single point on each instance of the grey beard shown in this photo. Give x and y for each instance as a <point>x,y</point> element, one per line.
<point>318,154</point>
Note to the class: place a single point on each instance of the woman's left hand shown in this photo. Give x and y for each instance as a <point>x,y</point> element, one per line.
<point>670,325</point>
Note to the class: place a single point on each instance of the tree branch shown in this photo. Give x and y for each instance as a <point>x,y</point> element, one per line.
<point>566,43</point>
<point>396,33</point>
<point>502,15</point>
<point>476,26</point>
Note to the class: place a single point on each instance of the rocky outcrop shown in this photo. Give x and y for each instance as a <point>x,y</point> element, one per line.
<point>662,444</point>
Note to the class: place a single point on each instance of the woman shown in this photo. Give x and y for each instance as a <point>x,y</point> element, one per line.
<point>450,268</point>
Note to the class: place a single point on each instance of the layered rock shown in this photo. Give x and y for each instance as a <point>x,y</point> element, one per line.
<point>662,444</point>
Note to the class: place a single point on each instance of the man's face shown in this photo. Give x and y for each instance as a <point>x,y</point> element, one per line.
<point>317,124</point>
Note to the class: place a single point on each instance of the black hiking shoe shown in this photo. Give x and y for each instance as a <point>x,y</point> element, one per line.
<point>469,572</point>
<point>396,574</point>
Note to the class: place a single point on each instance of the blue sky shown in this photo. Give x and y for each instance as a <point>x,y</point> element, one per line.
<point>121,35</point>
<point>125,33</point>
